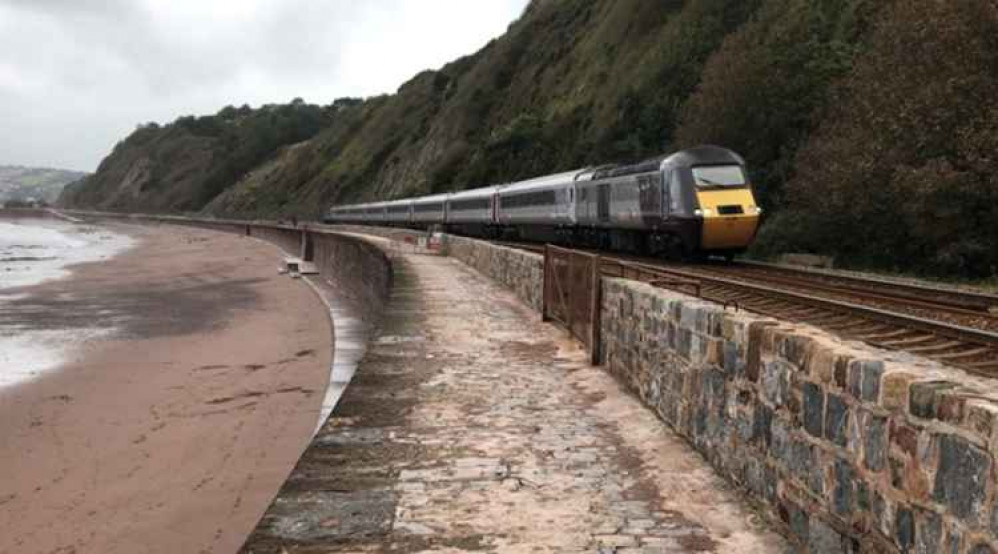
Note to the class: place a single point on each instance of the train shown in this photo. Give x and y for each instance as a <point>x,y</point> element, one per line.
<point>693,203</point>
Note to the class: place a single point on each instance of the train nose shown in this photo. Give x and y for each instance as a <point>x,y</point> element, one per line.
<point>723,232</point>
<point>729,219</point>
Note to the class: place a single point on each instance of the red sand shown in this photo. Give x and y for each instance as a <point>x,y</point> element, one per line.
<point>174,436</point>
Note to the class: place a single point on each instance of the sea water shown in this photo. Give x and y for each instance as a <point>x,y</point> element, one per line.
<point>32,252</point>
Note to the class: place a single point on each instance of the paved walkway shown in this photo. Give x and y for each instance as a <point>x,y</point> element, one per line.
<point>472,425</point>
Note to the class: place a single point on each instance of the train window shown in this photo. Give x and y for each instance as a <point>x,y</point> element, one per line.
<point>540,198</point>
<point>470,204</point>
<point>425,208</point>
<point>719,176</point>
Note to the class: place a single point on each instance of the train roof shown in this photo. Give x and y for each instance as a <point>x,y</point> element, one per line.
<point>545,181</point>
<point>474,193</point>
<point>430,199</point>
<point>704,155</point>
<point>348,207</point>
<point>396,202</point>
<point>701,155</point>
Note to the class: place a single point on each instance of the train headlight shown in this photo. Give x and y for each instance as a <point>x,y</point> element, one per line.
<point>756,210</point>
<point>706,212</point>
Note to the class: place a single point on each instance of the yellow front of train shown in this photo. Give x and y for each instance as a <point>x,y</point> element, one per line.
<point>727,208</point>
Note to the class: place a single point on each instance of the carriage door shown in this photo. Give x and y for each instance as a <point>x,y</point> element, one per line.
<point>650,199</point>
<point>603,203</point>
<point>666,193</point>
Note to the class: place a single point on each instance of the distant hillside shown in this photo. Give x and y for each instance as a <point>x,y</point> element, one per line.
<point>34,183</point>
<point>857,151</point>
<point>182,166</point>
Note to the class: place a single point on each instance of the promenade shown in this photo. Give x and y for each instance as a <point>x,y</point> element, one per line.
<point>472,425</point>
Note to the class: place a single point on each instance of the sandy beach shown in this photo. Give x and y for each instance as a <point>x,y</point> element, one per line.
<point>172,430</point>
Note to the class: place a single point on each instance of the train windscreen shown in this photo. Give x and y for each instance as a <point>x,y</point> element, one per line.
<point>719,176</point>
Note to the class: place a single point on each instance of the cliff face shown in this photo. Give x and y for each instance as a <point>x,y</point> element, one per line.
<point>182,166</point>
<point>823,98</point>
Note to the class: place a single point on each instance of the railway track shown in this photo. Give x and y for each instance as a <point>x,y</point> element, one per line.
<point>952,327</point>
<point>968,308</point>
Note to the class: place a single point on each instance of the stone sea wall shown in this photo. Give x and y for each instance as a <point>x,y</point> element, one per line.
<point>855,449</point>
<point>520,271</point>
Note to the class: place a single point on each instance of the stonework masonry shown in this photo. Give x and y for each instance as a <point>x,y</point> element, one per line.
<point>855,449</point>
<point>520,271</point>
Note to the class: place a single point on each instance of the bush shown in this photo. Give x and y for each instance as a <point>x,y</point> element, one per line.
<point>901,173</point>
<point>762,92</point>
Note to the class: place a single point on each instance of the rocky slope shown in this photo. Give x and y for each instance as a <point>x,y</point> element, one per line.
<point>867,117</point>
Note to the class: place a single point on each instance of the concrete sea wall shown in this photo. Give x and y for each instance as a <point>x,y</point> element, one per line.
<point>358,269</point>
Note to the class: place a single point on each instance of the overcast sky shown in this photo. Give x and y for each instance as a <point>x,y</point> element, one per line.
<point>78,75</point>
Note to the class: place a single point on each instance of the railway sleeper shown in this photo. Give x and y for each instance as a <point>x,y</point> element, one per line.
<point>972,353</point>
<point>848,325</point>
<point>771,304</point>
<point>949,345</point>
<point>863,328</point>
<point>832,319</point>
<point>818,319</point>
<point>803,314</point>
<point>889,335</point>
<point>905,343</point>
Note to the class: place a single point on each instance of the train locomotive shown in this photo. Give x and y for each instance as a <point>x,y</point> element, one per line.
<point>692,203</point>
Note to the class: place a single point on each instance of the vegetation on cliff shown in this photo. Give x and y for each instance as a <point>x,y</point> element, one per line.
<point>184,165</point>
<point>869,125</point>
<point>903,170</point>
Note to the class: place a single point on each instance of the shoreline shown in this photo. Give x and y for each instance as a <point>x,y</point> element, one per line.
<point>33,252</point>
<point>174,433</point>
<point>36,250</point>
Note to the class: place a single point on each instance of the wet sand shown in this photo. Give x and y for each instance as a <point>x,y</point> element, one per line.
<point>174,431</point>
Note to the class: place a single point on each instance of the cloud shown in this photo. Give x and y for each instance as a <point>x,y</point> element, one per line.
<point>78,75</point>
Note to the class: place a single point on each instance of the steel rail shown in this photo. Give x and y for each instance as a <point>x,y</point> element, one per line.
<point>936,327</point>
<point>802,282</point>
<point>876,326</point>
<point>973,301</point>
